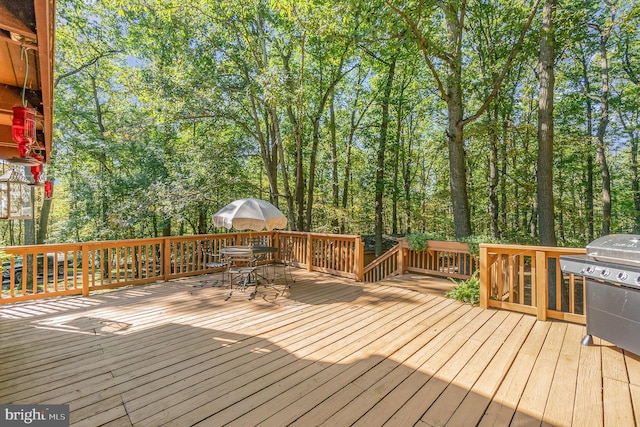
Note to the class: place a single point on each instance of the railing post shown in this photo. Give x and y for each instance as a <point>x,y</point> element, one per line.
<point>541,284</point>
<point>85,270</point>
<point>485,282</point>
<point>359,261</point>
<point>275,242</point>
<point>309,253</point>
<point>402,249</point>
<point>166,258</point>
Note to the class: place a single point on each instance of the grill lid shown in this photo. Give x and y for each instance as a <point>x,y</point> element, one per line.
<point>618,248</point>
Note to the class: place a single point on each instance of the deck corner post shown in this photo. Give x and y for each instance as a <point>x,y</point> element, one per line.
<point>85,270</point>
<point>309,252</point>
<point>485,282</point>
<point>166,259</point>
<point>359,258</point>
<point>541,284</point>
<point>275,242</point>
<point>402,253</point>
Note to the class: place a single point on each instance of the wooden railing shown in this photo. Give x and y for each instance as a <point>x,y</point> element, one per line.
<point>442,258</point>
<point>81,268</point>
<point>528,279</point>
<point>387,265</point>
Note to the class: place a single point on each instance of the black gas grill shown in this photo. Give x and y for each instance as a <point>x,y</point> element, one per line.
<point>612,271</point>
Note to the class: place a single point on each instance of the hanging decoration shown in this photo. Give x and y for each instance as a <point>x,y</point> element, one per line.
<point>23,130</point>
<point>48,190</point>
<point>15,196</point>
<point>36,170</point>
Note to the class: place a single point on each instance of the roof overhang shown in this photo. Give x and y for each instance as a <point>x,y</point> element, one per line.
<point>28,24</point>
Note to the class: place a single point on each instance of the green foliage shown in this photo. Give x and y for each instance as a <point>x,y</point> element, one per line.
<point>3,258</point>
<point>420,241</point>
<point>164,113</point>
<point>474,243</point>
<point>467,290</point>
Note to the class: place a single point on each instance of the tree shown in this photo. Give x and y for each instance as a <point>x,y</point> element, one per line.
<point>450,88</point>
<point>546,215</point>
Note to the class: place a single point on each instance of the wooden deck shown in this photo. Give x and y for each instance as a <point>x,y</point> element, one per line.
<point>329,352</point>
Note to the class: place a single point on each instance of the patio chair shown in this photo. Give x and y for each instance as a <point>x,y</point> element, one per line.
<point>213,260</point>
<point>286,260</point>
<point>241,269</point>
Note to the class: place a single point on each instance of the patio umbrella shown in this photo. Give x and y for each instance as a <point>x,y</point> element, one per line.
<point>250,214</point>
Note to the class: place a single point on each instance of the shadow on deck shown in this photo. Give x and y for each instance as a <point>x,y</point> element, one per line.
<point>328,352</point>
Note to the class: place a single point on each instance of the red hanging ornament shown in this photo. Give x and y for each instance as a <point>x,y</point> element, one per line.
<point>24,128</point>
<point>48,189</point>
<point>36,170</point>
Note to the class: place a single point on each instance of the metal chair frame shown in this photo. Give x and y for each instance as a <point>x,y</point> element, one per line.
<point>213,260</point>
<point>241,269</point>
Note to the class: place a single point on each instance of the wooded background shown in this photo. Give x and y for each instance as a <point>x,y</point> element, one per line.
<point>513,119</point>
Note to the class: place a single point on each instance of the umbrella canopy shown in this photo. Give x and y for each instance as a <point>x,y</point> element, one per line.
<point>250,214</point>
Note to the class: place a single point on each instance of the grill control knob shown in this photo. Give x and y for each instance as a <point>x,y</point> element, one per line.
<point>591,269</point>
<point>622,276</point>
<point>605,272</point>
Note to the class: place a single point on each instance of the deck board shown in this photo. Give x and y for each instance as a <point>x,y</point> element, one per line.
<point>563,386</point>
<point>588,404</point>
<point>330,351</point>
<point>534,397</point>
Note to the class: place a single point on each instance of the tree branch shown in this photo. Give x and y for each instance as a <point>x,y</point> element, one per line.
<point>82,67</point>
<point>626,64</point>
<point>498,83</point>
<point>423,47</point>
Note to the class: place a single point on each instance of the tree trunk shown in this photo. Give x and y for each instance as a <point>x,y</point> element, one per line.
<point>457,162</point>
<point>264,117</point>
<point>299,175</point>
<point>635,187</point>
<point>166,228</point>
<point>589,172</point>
<point>285,177</point>
<point>30,224</point>
<point>492,123</point>
<point>563,239</point>
<point>455,128</point>
<point>406,183</point>
<point>589,198</point>
<point>503,183</point>
<point>546,215</point>
<point>354,125</point>
<point>324,95</point>
<point>202,220</point>
<point>601,155</point>
<point>379,189</point>
<point>335,183</point>
<point>396,164</point>
<point>43,222</point>
<point>270,158</point>
<point>296,126</point>
<point>312,173</point>
<point>347,175</point>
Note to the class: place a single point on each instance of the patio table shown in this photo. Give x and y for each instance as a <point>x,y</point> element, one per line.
<point>248,274</point>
